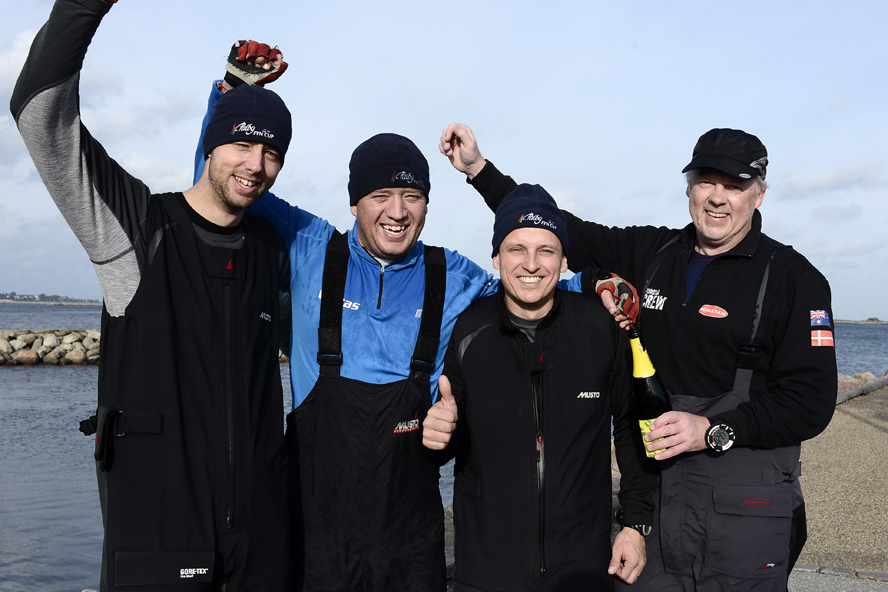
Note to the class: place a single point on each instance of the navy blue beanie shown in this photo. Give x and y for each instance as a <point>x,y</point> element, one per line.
<point>249,113</point>
<point>529,206</point>
<point>383,161</point>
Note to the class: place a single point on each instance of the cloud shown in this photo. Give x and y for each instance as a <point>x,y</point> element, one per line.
<point>836,212</point>
<point>41,254</point>
<point>11,61</point>
<point>865,174</point>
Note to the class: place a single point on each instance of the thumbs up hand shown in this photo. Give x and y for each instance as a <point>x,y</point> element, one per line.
<point>439,424</point>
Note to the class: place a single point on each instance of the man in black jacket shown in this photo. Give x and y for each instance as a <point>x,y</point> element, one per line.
<point>532,378</point>
<point>189,438</point>
<point>738,327</point>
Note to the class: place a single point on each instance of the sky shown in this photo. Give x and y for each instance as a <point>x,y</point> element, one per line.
<point>599,102</point>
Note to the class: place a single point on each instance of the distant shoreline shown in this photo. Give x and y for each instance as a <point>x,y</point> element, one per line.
<point>98,303</point>
<point>88,303</point>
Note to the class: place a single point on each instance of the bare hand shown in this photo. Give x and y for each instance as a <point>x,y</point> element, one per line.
<point>682,432</point>
<point>629,555</point>
<point>439,424</point>
<point>459,145</point>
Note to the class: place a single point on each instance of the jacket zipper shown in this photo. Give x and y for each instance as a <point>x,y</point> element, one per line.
<point>229,393</point>
<point>541,465</point>
<point>379,300</point>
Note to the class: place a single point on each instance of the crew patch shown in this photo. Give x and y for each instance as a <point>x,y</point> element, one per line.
<point>652,300</point>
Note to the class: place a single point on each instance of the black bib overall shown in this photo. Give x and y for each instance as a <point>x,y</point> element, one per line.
<point>190,448</point>
<point>365,506</point>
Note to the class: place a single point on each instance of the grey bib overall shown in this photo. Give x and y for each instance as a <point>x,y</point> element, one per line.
<point>725,521</point>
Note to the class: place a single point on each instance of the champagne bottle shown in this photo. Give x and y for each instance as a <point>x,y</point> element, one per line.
<point>649,392</point>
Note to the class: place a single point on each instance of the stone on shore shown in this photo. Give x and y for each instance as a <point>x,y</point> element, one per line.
<point>76,356</point>
<point>849,383</point>
<point>865,377</point>
<point>26,357</point>
<point>72,337</point>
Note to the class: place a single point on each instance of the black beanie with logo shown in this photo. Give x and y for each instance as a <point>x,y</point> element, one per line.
<point>529,206</point>
<point>249,113</point>
<point>384,161</point>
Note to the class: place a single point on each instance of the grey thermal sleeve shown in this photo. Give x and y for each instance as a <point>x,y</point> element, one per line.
<point>102,203</point>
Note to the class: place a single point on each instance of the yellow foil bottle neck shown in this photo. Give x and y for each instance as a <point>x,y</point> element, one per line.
<point>641,362</point>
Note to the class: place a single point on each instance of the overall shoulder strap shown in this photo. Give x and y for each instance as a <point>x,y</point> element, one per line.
<point>422,364</point>
<point>332,293</point>
<point>747,357</point>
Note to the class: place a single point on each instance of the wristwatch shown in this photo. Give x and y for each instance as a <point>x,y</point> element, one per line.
<point>643,529</point>
<point>719,437</point>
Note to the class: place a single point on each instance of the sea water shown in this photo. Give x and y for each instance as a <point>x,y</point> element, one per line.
<point>50,522</point>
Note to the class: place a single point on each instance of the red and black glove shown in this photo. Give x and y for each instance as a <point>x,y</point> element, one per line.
<point>241,66</point>
<point>625,296</point>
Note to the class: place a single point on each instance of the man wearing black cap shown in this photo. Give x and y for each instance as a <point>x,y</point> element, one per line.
<point>189,446</point>
<point>738,327</point>
<point>532,378</point>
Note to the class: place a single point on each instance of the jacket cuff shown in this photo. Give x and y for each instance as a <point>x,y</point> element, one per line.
<point>492,185</point>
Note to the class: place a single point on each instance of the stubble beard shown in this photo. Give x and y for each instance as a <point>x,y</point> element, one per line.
<point>219,184</point>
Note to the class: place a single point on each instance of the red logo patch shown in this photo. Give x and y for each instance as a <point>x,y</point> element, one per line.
<point>710,310</point>
<point>756,502</point>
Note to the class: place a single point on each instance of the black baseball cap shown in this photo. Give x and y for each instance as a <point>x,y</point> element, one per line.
<point>731,151</point>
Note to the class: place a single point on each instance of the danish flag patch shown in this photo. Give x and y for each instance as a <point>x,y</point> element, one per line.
<point>820,338</point>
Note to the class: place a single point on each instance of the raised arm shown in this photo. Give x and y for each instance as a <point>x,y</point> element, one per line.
<point>102,203</point>
<point>621,250</point>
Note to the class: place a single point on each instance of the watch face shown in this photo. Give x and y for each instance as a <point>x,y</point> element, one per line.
<point>720,437</point>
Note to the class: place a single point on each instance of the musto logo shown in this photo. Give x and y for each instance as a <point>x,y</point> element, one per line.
<point>710,310</point>
<point>190,572</point>
<point>408,426</point>
<point>756,502</point>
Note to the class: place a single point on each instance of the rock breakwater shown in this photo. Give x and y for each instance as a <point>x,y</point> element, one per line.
<point>22,347</point>
<point>48,346</point>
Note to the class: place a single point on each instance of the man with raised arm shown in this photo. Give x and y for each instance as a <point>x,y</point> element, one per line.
<point>532,377</point>
<point>738,327</point>
<point>189,440</point>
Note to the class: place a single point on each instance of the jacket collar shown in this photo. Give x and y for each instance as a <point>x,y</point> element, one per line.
<point>502,312</point>
<point>745,248</point>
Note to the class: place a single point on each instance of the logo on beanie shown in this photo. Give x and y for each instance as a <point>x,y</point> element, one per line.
<point>407,178</point>
<point>250,130</point>
<point>537,220</point>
